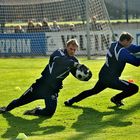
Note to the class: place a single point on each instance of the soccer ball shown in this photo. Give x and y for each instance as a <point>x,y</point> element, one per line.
<point>82,73</point>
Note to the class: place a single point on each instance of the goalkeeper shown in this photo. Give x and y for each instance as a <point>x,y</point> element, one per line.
<point>48,86</point>
<point>119,53</point>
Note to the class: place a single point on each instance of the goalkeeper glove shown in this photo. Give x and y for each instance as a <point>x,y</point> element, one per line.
<point>77,65</point>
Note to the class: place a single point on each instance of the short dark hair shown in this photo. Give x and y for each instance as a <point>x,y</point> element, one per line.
<point>73,42</point>
<point>125,36</point>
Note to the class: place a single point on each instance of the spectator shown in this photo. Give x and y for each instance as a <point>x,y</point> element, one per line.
<point>38,27</point>
<point>30,27</point>
<point>45,26</point>
<point>72,27</point>
<point>2,26</point>
<point>94,25</point>
<point>55,27</point>
<point>19,29</point>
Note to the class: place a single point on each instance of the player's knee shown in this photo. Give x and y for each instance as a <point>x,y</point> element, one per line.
<point>46,112</point>
<point>134,89</point>
<point>50,113</point>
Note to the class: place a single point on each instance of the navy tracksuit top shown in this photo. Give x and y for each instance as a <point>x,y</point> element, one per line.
<point>116,58</point>
<point>59,67</point>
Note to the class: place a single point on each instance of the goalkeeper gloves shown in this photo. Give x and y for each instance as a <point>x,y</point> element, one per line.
<point>77,65</point>
<point>80,66</point>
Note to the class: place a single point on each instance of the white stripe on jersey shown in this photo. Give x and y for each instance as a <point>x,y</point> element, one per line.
<point>29,89</point>
<point>61,75</point>
<point>51,67</point>
<point>61,52</point>
<point>55,57</point>
<point>117,54</point>
<point>125,82</point>
<point>110,55</point>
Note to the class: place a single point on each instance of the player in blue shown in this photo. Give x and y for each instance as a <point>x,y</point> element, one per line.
<point>48,85</point>
<point>119,53</point>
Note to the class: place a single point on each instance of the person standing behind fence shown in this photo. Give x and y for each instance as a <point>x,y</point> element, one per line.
<point>72,27</point>
<point>38,27</point>
<point>55,27</point>
<point>30,27</point>
<point>45,26</point>
<point>19,29</point>
<point>98,26</point>
<point>95,26</point>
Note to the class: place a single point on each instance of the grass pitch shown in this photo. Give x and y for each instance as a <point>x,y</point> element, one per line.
<point>94,118</point>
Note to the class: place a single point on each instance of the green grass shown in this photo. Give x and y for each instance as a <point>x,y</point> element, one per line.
<point>94,118</point>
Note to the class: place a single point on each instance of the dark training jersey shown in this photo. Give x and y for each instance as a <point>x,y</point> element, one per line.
<point>58,69</point>
<point>117,57</point>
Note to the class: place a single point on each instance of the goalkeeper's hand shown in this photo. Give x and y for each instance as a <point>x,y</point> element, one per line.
<point>80,66</point>
<point>77,65</point>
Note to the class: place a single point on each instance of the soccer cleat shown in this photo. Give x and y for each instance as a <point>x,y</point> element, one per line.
<point>118,103</point>
<point>2,110</point>
<point>68,103</point>
<point>31,112</point>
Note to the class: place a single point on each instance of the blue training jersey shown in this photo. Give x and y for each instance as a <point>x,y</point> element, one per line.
<point>116,58</point>
<point>59,67</point>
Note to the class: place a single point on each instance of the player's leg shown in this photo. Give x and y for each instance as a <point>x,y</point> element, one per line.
<point>48,111</point>
<point>50,106</point>
<point>33,93</point>
<point>128,89</point>
<point>95,90</point>
<point>27,97</point>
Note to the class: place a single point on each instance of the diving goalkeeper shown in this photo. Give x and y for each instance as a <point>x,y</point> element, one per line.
<point>49,84</point>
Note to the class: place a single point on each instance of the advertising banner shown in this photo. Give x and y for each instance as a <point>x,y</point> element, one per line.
<point>22,44</point>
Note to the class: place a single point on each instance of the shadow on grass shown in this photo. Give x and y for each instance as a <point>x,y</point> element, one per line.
<point>29,127</point>
<point>92,121</point>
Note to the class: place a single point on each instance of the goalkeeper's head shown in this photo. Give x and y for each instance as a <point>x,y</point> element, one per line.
<point>72,46</point>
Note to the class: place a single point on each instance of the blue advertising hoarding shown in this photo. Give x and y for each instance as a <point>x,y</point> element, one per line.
<point>23,44</point>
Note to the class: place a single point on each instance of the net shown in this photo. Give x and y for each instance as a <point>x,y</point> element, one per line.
<point>38,27</point>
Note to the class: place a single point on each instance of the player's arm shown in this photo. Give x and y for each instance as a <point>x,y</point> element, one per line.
<point>133,48</point>
<point>65,61</point>
<point>129,58</point>
<point>60,58</point>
